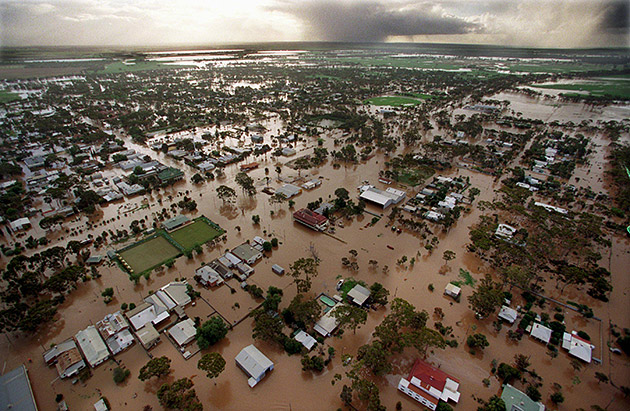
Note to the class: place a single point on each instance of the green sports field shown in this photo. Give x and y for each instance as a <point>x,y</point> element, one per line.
<point>149,254</point>
<point>197,232</point>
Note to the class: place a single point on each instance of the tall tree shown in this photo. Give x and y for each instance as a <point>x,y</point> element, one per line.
<point>225,193</point>
<point>486,298</point>
<point>156,367</point>
<point>303,270</point>
<point>212,363</point>
<point>349,316</point>
<point>211,332</point>
<point>179,395</point>
<point>246,183</point>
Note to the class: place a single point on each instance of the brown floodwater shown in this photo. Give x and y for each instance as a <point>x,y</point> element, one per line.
<point>288,387</point>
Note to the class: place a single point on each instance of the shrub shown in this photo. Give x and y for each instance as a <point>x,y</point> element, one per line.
<point>584,335</point>
<point>292,346</point>
<point>120,375</point>
<point>274,242</point>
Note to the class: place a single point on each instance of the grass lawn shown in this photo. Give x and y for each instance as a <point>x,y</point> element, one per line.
<point>609,87</point>
<point>7,96</point>
<point>197,232</point>
<point>393,101</point>
<point>149,254</point>
<point>414,176</point>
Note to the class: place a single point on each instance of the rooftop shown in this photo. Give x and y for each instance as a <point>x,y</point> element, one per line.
<point>516,400</point>
<point>16,392</point>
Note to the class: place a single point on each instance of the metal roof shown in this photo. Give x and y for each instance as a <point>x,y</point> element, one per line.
<point>253,362</point>
<point>16,392</point>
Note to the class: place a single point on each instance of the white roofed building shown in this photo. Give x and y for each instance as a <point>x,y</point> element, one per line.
<point>254,363</point>
<point>92,345</point>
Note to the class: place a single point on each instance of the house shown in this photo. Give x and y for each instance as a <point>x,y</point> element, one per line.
<point>505,231</point>
<point>311,184</point>
<point>254,363</point>
<point>288,152</point>
<point>148,336</point>
<point>170,174</point>
<point>578,346</point>
<point>66,357</point>
<point>305,339</point>
<point>549,207</point>
<point>205,166</point>
<point>120,341</point>
<point>177,291</point>
<point>311,219</point>
<point>256,138</point>
<point>245,269</point>
<point>433,216</point>
<point>20,224</point>
<point>508,314</point>
<point>358,295</point>
<point>247,253</point>
<point>183,332</point>
<point>327,323</point>
<point>289,191</point>
<point>94,260</point>
<point>112,324</point>
<point>231,259</point>
<point>452,290</point>
<point>100,405</point>
<point>147,313</point>
<point>175,222</point>
<point>541,332</point>
<point>429,385</point>
<point>249,166</point>
<point>516,400</point>
<point>92,345</point>
<point>208,276</point>
<point>16,392</point>
<point>277,269</point>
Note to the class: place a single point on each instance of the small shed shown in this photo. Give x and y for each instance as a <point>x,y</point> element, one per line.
<point>508,314</point>
<point>540,332</point>
<point>305,339</point>
<point>277,269</point>
<point>358,295</point>
<point>452,290</point>
<point>183,332</point>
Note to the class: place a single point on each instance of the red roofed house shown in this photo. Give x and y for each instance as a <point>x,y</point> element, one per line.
<point>311,219</point>
<point>428,385</point>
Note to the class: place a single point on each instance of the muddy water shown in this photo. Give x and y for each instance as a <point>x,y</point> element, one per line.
<point>287,387</point>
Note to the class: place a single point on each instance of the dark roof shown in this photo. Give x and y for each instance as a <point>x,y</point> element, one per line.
<point>16,392</point>
<point>309,217</point>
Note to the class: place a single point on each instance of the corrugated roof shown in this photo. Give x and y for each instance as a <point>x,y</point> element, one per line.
<point>254,362</point>
<point>16,392</point>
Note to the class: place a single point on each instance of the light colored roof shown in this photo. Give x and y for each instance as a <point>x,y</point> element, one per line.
<point>16,392</point>
<point>541,332</point>
<point>183,332</point>
<point>359,294</point>
<point>376,196</point>
<point>253,362</point>
<point>164,300</point>
<point>177,291</point>
<point>508,314</point>
<point>92,346</point>
<point>120,341</point>
<point>289,190</point>
<point>58,349</point>
<point>246,253</point>
<point>100,405</point>
<point>452,290</point>
<point>516,400</point>
<point>305,339</point>
<point>19,223</point>
<point>146,313</point>
<point>175,222</point>
<point>111,324</point>
<point>581,348</point>
<point>147,335</point>
<point>327,323</point>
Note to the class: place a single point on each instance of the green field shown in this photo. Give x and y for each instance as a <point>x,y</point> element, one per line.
<point>610,87</point>
<point>7,96</point>
<point>149,254</point>
<point>197,232</point>
<point>394,101</point>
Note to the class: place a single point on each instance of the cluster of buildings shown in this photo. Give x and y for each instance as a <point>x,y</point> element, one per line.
<point>237,263</point>
<point>118,331</point>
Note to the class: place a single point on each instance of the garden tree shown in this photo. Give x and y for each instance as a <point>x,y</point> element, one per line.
<point>156,367</point>
<point>342,195</point>
<point>197,178</point>
<point>212,363</point>
<point>267,327</point>
<point>442,406</point>
<point>267,246</point>
<point>557,397</point>
<point>601,377</point>
<point>211,332</point>
<point>367,392</point>
<point>272,301</point>
<point>277,198</point>
<point>477,341</point>
<point>507,372</point>
<point>301,311</point>
<point>473,192</point>
<point>246,183</point>
<point>378,294</point>
<point>346,395</point>
<point>179,396</point>
<point>518,275</point>
<point>576,365</point>
<point>374,357</point>
<point>495,403</point>
<point>120,375</point>
<point>303,270</point>
<point>533,393</point>
<point>349,316</point>
<point>313,363</point>
<point>521,362</point>
<point>448,256</point>
<point>571,274</point>
<point>225,193</point>
<point>486,298</point>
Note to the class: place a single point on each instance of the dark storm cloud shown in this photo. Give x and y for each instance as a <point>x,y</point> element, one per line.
<point>616,17</point>
<point>373,21</point>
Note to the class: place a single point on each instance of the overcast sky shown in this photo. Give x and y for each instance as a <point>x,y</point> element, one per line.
<point>536,23</point>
